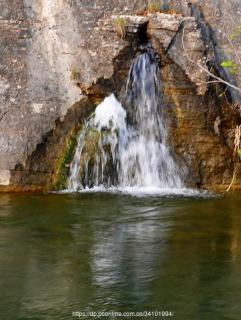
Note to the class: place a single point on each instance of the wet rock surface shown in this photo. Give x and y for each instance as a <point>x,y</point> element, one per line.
<point>182,40</point>
<point>54,53</point>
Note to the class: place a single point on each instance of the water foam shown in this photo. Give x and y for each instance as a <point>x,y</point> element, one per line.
<point>110,114</point>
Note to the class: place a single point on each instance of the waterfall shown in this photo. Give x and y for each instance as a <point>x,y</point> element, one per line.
<point>111,152</point>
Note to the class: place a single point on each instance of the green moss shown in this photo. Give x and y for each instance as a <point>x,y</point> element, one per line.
<point>74,74</point>
<point>89,152</point>
<point>62,171</point>
<point>91,142</point>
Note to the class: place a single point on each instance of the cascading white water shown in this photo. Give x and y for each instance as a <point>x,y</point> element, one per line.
<point>134,155</point>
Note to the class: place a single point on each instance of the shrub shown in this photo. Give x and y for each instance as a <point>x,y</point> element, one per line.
<point>153,7</point>
<point>120,26</point>
<point>231,66</point>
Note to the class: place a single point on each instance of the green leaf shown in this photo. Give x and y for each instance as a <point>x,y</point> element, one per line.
<point>221,94</point>
<point>236,33</point>
<point>233,67</point>
<point>233,71</point>
<point>227,64</point>
<point>233,36</point>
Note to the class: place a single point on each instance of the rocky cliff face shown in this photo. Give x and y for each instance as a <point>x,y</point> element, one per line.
<point>59,58</point>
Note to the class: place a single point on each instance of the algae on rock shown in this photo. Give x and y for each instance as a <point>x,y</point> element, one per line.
<point>63,163</point>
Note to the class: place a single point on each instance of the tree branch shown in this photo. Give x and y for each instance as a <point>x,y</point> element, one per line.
<point>205,69</point>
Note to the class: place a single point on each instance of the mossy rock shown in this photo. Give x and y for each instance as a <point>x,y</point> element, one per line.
<point>91,142</point>
<point>95,146</point>
<point>63,164</point>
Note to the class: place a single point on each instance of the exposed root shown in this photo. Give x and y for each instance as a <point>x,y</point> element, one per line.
<point>233,179</point>
<point>236,151</point>
<point>237,140</point>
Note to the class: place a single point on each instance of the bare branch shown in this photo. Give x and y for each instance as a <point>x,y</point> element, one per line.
<point>218,78</point>
<point>205,69</point>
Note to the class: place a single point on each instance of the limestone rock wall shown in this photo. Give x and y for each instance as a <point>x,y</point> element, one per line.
<point>43,43</point>
<point>55,52</point>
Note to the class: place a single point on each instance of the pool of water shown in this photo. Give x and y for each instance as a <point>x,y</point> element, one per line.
<point>96,252</point>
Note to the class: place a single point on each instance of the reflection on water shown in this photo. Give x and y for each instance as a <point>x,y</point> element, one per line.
<point>94,252</point>
<point>125,252</point>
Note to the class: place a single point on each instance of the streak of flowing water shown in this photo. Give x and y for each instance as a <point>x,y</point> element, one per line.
<point>127,155</point>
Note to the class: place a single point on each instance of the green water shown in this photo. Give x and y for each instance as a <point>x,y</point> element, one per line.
<point>100,252</point>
